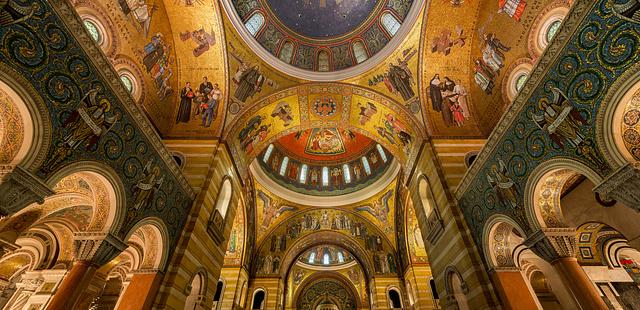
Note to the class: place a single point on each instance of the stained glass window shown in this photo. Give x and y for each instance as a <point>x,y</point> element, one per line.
<point>126,81</point>
<point>283,166</point>
<point>359,52</point>
<point>92,28</point>
<point>303,174</point>
<point>553,29</point>
<point>365,163</point>
<point>325,176</point>
<point>254,23</point>
<point>383,155</point>
<point>346,173</point>
<point>323,61</point>
<point>267,154</point>
<point>286,52</point>
<point>390,23</point>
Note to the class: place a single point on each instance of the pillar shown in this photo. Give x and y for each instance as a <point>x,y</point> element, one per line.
<point>72,286</point>
<point>574,278</point>
<point>92,250</point>
<point>557,246</point>
<point>512,289</point>
<point>141,291</point>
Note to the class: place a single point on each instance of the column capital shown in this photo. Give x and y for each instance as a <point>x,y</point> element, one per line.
<point>623,185</point>
<point>21,188</point>
<point>553,243</point>
<point>97,248</point>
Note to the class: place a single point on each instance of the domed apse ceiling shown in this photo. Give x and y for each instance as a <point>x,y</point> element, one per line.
<point>322,35</point>
<point>326,255</point>
<point>325,161</point>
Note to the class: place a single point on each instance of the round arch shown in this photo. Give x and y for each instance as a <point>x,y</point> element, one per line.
<point>335,277</point>
<point>35,119</point>
<point>498,250</point>
<point>159,232</point>
<point>611,112</point>
<point>112,183</point>
<point>535,218</point>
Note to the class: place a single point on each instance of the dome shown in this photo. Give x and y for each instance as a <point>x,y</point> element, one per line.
<point>326,256</point>
<point>325,161</point>
<point>307,37</point>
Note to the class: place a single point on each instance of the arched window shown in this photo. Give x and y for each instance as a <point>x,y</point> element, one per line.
<point>217,297</point>
<point>394,299</point>
<point>365,163</point>
<point>425,196</point>
<point>127,82</point>
<point>390,23</point>
<point>283,166</point>
<point>552,29</point>
<point>258,300</point>
<point>323,61</point>
<point>303,174</point>
<point>93,30</point>
<point>325,176</point>
<point>359,52</point>
<point>267,154</point>
<point>286,52</point>
<point>255,22</point>
<point>521,80</point>
<point>197,287</point>
<point>434,292</point>
<point>340,257</point>
<point>383,155</point>
<point>312,257</point>
<point>224,198</point>
<point>346,173</point>
<point>325,259</point>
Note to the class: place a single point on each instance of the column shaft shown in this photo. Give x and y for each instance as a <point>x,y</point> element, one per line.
<point>72,286</point>
<point>141,291</point>
<point>576,280</point>
<point>513,290</point>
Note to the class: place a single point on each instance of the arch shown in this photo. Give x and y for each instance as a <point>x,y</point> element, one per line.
<point>224,196</point>
<point>219,294</point>
<point>197,286</point>
<point>12,264</point>
<point>538,39</point>
<point>359,51</point>
<point>434,291</point>
<point>425,193</point>
<point>286,52</point>
<point>258,299</point>
<point>390,23</point>
<point>125,66</point>
<point>112,185</point>
<point>518,73</point>
<point>456,287</point>
<point>499,241</point>
<point>470,158</point>
<point>34,118</point>
<point>93,12</point>
<point>535,184</point>
<point>255,23</point>
<point>394,296</point>
<point>609,119</point>
<point>323,61</point>
<point>156,242</point>
<point>336,278</point>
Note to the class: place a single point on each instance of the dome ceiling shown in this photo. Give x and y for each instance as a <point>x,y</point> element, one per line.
<point>326,255</point>
<point>321,35</point>
<point>325,161</point>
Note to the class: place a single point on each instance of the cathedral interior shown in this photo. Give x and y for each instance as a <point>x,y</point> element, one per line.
<point>319,154</point>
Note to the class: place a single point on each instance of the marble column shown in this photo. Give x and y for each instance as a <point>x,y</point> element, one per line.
<point>141,290</point>
<point>92,250</point>
<point>512,289</point>
<point>557,246</point>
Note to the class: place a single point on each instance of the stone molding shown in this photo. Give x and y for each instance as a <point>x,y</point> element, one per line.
<point>623,185</point>
<point>21,188</point>
<point>97,248</point>
<point>553,243</point>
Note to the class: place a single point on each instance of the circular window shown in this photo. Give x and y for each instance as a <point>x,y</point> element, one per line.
<point>126,81</point>
<point>553,29</point>
<point>93,30</point>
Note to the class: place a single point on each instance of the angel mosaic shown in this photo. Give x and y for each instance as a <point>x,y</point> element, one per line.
<point>203,39</point>
<point>84,127</point>
<point>560,120</point>
<point>503,185</point>
<point>629,10</point>
<point>14,11</point>
<point>379,209</point>
<point>270,210</point>
<point>146,188</point>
